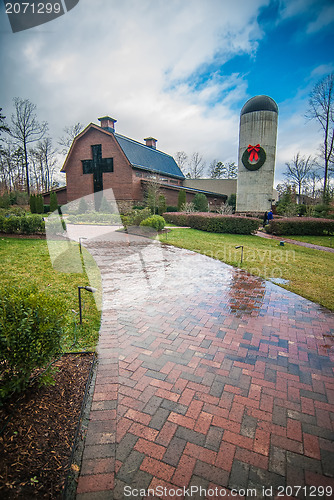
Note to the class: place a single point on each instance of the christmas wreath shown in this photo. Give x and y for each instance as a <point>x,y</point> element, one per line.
<point>254,153</point>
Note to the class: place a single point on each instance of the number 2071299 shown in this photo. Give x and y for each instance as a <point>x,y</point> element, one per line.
<point>33,8</point>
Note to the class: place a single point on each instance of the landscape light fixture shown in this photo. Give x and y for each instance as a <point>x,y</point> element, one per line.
<point>89,289</point>
<point>81,238</point>
<point>242,251</point>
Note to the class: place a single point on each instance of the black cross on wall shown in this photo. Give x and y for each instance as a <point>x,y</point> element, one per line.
<point>97,166</point>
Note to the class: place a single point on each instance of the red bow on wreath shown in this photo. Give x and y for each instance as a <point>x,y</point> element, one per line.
<point>253,150</point>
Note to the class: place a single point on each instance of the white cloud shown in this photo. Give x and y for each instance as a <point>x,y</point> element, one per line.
<point>138,62</point>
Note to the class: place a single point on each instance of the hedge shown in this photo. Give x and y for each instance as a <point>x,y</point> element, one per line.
<point>214,223</point>
<point>301,226</point>
<point>24,224</point>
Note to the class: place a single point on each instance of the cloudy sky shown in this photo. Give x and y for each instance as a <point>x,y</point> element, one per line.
<point>179,70</point>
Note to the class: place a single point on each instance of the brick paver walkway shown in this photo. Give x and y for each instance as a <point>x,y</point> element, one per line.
<point>207,378</point>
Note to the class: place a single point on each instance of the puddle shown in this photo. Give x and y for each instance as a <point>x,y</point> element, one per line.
<point>279,281</point>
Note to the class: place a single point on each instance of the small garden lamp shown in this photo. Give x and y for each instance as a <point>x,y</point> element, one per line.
<point>89,289</point>
<point>242,251</point>
<point>81,238</point>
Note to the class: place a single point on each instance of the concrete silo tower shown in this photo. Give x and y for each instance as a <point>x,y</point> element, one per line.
<point>257,150</point>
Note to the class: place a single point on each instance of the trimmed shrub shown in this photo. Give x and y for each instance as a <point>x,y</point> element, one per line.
<point>200,202</point>
<point>177,218</point>
<point>32,224</point>
<point>301,226</point>
<point>31,328</point>
<point>24,224</point>
<point>40,204</point>
<point>171,208</point>
<point>53,201</point>
<point>47,209</point>
<point>181,199</point>
<point>214,223</point>
<point>94,218</point>
<point>155,221</point>
<point>32,203</point>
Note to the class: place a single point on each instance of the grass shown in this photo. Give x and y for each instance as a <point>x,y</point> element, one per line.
<point>27,262</point>
<point>310,272</point>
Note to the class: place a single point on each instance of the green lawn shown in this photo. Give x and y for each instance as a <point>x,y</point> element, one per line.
<point>27,261</point>
<point>310,272</point>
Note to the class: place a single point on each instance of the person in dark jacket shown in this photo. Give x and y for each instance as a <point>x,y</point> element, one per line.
<point>265,218</point>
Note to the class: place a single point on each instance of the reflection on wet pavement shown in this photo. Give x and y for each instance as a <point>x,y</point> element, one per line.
<point>207,377</point>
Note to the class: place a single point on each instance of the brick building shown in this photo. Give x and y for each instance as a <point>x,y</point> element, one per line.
<point>100,158</point>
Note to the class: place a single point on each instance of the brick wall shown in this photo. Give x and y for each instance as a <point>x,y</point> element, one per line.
<point>79,184</point>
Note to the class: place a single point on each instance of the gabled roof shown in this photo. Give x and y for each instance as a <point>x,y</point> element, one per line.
<point>146,158</point>
<point>139,155</point>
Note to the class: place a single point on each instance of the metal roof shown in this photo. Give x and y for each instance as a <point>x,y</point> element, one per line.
<point>144,157</point>
<point>259,103</point>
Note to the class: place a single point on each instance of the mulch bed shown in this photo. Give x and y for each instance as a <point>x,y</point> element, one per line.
<point>36,443</point>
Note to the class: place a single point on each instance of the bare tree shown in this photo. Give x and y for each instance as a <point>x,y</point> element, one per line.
<point>70,133</point>
<point>26,129</point>
<point>298,171</point>
<point>45,164</point>
<point>196,166</point>
<point>152,192</point>
<point>321,108</point>
<point>181,160</point>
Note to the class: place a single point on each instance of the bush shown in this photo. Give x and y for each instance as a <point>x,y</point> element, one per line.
<point>177,218</point>
<point>32,224</point>
<point>155,221</point>
<point>39,204</point>
<point>301,226</point>
<point>4,200</point>
<point>214,223</point>
<point>162,207</point>
<point>24,224</point>
<point>200,202</point>
<point>94,218</point>
<point>181,199</point>
<point>31,328</point>
<point>47,209</point>
<point>53,201</point>
<point>33,204</point>
<point>171,208</point>
<point>135,217</point>
<point>321,210</point>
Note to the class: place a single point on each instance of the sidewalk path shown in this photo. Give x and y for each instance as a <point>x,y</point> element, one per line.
<point>294,242</point>
<point>207,378</point>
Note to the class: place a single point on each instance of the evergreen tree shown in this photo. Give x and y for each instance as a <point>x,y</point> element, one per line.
<point>181,200</point>
<point>53,201</point>
<point>200,202</point>
<point>162,207</point>
<point>32,203</point>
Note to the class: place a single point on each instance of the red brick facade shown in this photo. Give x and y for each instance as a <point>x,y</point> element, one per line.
<point>80,184</point>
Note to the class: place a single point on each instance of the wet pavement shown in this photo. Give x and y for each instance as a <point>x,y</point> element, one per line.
<point>210,382</point>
